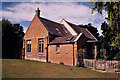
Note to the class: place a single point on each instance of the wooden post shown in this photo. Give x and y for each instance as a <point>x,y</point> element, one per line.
<point>94,64</point>
<point>95,54</point>
<point>95,51</point>
<point>104,59</point>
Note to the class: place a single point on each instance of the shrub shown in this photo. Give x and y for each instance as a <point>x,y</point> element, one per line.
<point>62,63</point>
<point>49,62</point>
<point>80,65</point>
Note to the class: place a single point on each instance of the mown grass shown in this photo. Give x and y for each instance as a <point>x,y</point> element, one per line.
<point>17,68</point>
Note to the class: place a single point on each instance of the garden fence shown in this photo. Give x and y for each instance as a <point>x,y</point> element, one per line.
<point>105,65</point>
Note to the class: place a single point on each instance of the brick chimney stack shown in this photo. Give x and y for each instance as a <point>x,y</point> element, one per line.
<point>37,12</point>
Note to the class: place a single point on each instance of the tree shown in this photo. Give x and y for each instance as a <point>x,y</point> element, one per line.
<point>106,39</point>
<point>111,31</point>
<point>112,9</point>
<point>92,29</point>
<point>12,39</point>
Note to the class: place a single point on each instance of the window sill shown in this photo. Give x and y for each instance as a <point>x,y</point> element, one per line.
<point>40,53</point>
<point>28,53</point>
<point>57,52</point>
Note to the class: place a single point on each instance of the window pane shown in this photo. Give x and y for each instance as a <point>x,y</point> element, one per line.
<point>39,42</point>
<point>29,42</point>
<point>29,46</point>
<point>41,45</point>
<point>57,48</point>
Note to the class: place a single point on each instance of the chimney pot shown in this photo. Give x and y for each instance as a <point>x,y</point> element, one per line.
<point>38,12</point>
<point>37,8</point>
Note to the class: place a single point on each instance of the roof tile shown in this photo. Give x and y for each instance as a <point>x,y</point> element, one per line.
<point>54,27</point>
<point>63,40</point>
<point>79,29</point>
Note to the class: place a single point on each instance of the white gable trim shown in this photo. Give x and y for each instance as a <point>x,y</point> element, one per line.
<point>78,37</point>
<point>91,34</point>
<point>68,27</point>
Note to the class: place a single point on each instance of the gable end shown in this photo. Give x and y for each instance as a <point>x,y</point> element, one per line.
<point>68,27</point>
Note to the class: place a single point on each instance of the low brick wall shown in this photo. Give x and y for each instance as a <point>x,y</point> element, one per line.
<point>41,58</point>
<point>65,55</point>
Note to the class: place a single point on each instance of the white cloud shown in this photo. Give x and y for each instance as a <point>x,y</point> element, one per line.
<point>73,12</point>
<point>0,15</point>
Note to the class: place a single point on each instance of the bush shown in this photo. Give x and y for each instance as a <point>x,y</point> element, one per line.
<point>80,65</point>
<point>49,62</point>
<point>62,63</point>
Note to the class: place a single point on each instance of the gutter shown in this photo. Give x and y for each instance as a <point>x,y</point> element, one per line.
<point>78,37</point>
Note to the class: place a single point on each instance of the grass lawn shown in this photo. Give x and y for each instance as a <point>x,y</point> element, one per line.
<point>18,68</point>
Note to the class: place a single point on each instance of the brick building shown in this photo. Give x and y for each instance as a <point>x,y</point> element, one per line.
<point>48,41</point>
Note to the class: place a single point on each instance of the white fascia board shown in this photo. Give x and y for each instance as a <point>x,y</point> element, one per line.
<point>68,27</point>
<point>92,34</point>
<point>78,37</point>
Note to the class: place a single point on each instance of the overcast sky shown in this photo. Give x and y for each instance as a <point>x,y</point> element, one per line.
<point>74,12</point>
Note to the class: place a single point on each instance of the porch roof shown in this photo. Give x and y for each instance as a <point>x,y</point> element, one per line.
<point>63,40</point>
<point>80,29</point>
<point>92,41</point>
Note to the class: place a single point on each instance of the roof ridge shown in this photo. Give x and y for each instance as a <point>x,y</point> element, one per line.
<point>71,23</point>
<point>50,20</point>
<point>80,25</point>
<point>53,27</point>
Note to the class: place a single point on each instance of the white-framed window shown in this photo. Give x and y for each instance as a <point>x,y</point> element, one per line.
<point>57,48</point>
<point>28,45</point>
<point>41,45</point>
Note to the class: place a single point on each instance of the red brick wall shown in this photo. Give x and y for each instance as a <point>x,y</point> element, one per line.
<point>78,45</point>
<point>35,31</point>
<point>75,53</point>
<point>81,43</point>
<point>65,56</point>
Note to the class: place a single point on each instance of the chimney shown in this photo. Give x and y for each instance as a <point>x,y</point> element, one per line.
<point>37,12</point>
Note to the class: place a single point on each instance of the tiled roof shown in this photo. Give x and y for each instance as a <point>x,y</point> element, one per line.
<point>61,31</point>
<point>63,40</point>
<point>54,28</point>
<point>79,29</point>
